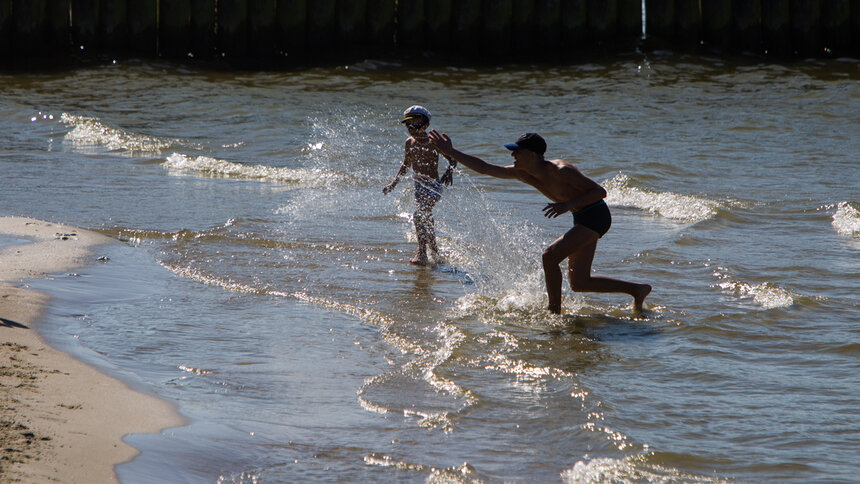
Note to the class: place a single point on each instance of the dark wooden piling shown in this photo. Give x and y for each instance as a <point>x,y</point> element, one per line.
<point>855,26</point>
<point>747,30</point>
<point>688,22</point>
<point>142,18</point>
<point>352,23</point>
<point>5,29</point>
<point>58,26</point>
<point>660,18</point>
<point>603,20</point>
<point>113,25</point>
<point>836,26</point>
<point>291,28</point>
<point>322,28</point>
<point>261,29</point>
<point>380,23</point>
<point>523,28</point>
<point>717,23</point>
<point>548,24</point>
<point>630,19</point>
<point>496,38</point>
<point>233,29</point>
<point>174,28</point>
<point>85,21</point>
<point>410,24</point>
<point>437,25</point>
<point>466,26</point>
<point>204,38</point>
<point>806,27</point>
<point>776,27</point>
<point>574,23</point>
<point>28,28</point>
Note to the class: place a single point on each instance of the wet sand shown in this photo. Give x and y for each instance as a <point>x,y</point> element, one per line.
<point>62,420</point>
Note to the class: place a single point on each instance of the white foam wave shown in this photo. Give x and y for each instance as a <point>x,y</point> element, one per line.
<point>213,167</point>
<point>765,294</point>
<point>89,131</point>
<point>622,192</point>
<point>628,470</point>
<point>846,220</point>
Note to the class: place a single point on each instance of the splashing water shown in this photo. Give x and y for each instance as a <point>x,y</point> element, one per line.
<point>846,220</point>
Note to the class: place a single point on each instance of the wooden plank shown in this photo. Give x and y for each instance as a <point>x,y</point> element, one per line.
<point>204,38</point>
<point>291,27</point>
<point>28,28</point>
<point>660,18</point>
<point>174,28</point>
<point>717,23</point>
<point>776,27</point>
<point>233,28</point>
<point>806,27</point>
<point>548,22</point>
<point>603,20</point>
<point>836,27</point>
<point>85,21</point>
<point>352,22</point>
<point>438,24</point>
<point>410,24</point>
<point>688,22</point>
<point>380,22</point>
<point>574,23</point>
<point>322,27</point>
<point>261,29</point>
<point>466,26</point>
<point>113,25</point>
<point>142,16</point>
<point>629,18</point>
<point>496,38</point>
<point>523,26</point>
<point>747,30</point>
<point>58,34</point>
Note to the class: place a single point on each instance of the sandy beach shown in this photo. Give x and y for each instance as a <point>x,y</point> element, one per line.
<point>62,420</point>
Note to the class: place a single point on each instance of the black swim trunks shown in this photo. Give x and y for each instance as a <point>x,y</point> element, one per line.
<point>595,216</point>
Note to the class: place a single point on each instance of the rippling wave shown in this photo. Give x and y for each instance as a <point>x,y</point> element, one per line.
<point>90,131</point>
<point>765,294</point>
<point>622,191</point>
<point>213,167</point>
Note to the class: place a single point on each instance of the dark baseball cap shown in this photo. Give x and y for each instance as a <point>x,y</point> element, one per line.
<point>528,141</point>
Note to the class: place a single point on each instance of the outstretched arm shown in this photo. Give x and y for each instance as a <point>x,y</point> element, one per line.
<point>443,143</point>
<point>404,169</point>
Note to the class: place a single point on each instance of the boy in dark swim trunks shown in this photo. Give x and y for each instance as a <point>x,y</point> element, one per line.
<point>570,191</point>
<point>423,158</point>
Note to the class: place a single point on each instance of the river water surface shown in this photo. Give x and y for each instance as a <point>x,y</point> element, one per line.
<point>263,284</point>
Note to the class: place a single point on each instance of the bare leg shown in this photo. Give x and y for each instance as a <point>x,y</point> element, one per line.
<point>578,245</point>
<point>420,233</point>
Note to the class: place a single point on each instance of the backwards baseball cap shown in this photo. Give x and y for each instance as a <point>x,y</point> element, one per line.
<point>528,141</point>
<point>415,112</point>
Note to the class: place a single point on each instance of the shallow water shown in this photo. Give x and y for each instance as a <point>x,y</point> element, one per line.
<point>263,283</point>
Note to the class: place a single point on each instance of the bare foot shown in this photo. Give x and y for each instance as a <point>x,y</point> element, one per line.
<point>554,309</point>
<point>639,296</point>
<point>419,260</point>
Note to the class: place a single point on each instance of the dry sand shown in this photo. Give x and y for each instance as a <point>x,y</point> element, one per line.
<point>60,420</point>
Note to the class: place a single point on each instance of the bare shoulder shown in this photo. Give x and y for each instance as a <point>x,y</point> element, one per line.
<point>569,172</point>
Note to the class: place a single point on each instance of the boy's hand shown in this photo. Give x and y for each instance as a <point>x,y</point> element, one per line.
<point>387,188</point>
<point>447,177</point>
<point>553,210</point>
